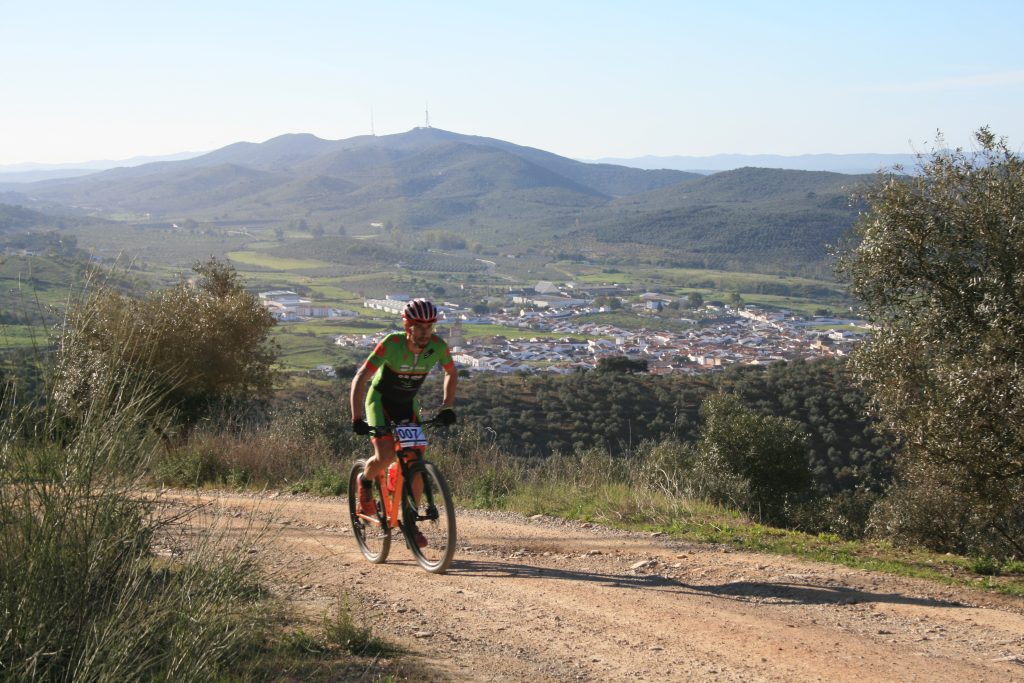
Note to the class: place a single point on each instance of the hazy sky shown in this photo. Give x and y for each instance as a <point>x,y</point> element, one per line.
<point>112,80</point>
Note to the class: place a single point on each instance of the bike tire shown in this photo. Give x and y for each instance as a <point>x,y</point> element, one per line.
<point>434,517</point>
<point>374,539</point>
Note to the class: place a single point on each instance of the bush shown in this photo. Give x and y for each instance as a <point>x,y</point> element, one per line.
<point>195,346</point>
<point>306,444</point>
<point>81,595</point>
<point>329,480</point>
<point>932,508</point>
<point>755,462</point>
<point>341,630</point>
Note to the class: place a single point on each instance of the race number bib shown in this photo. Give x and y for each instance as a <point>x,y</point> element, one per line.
<point>410,435</point>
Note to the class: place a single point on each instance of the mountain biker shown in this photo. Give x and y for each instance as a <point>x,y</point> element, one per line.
<point>384,390</point>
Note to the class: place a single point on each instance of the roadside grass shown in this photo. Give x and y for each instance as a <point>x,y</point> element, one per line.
<point>622,506</point>
<point>649,493</point>
<point>91,587</point>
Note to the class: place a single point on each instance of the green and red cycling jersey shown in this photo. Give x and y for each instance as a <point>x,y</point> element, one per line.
<point>399,374</point>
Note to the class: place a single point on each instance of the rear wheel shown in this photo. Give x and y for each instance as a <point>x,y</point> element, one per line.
<point>433,516</point>
<point>373,537</point>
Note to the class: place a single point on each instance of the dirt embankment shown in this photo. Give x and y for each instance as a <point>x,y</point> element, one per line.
<point>544,600</point>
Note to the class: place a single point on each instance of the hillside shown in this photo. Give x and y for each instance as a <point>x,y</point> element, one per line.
<point>496,193</point>
<point>747,219</point>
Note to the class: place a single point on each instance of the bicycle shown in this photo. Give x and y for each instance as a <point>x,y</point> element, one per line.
<point>432,512</point>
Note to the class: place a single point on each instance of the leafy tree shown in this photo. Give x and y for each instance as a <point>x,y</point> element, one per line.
<point>938,263</point>
<point>621,364</point>
<point>695,300</point>
<point>195,346</point>
<point>752,460</point>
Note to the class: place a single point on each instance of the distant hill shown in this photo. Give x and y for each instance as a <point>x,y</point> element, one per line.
<point>17,219</point>
<point>495,193</point>
<point>352,178</point>
<point>20,218</point>
<point>836,163</point>
<point>32,172</point>
<point>748,219</point>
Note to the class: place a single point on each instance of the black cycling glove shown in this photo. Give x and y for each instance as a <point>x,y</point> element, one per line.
<point>360,427</point>
<point>446,416</point>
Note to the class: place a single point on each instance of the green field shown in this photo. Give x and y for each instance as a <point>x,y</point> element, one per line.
<point>688,278</point>
<point>305,351</point>
<point>22,336</point>
<point>255,258</point>
<point>473,331</point>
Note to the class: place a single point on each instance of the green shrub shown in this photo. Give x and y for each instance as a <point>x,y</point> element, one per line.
<point>755,462</point>
<point>329,480</point>
<point>490,488</point>
<point>930,507</point>
<point>341,630</point>
<point>195,346</point>
<point>188,466</point>
<point>82,595</point>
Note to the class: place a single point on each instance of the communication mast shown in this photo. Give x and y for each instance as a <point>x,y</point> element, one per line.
<point>427,110</point>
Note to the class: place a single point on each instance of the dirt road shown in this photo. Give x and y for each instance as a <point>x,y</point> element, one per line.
<point>543,600</point>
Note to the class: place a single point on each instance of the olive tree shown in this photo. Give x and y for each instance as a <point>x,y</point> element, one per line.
<point>937,259</point>
<point>754,461</point>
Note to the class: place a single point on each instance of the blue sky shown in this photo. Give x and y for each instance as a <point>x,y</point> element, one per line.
<point>112,80</point>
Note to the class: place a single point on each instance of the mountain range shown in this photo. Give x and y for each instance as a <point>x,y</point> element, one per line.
<point>834,163</point>
<point>490,191</point>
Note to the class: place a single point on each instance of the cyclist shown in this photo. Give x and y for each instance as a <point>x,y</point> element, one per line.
<point>384,390</point>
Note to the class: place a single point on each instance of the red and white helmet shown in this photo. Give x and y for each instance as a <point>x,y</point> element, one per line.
<point>420,311</point>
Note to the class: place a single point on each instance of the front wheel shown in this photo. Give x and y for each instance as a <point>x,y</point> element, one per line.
<point>373,537</point>
<point>433,516</point>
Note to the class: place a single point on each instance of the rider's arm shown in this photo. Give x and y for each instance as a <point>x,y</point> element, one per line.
<point>358,392</point>
<point>451,382</point>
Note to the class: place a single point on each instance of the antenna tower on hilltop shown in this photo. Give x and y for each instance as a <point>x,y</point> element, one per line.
<point>427,109</point>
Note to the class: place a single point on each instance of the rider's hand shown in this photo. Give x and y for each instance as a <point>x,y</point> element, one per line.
<point>360,427</point>
<point>446,416</point>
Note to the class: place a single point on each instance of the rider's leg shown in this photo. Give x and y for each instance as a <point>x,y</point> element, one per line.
<point>383,446</point>
<point>383,455</point>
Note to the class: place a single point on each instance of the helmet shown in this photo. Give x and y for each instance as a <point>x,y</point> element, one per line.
<point>420,311</point>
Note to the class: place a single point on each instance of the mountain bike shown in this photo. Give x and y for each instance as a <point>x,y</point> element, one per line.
<point>431,512</point>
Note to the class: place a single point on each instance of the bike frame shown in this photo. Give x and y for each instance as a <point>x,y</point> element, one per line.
<point>405,456</point>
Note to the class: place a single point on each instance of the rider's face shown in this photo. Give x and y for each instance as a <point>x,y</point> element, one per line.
<point>419,334</point>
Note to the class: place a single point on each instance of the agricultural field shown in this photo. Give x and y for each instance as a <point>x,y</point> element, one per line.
<point>802,295</point>
<point>276,263</point>
<point>22,336</point>
<point>268,257</point>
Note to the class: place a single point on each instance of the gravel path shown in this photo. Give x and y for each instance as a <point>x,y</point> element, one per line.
<point>537,599</point>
